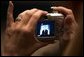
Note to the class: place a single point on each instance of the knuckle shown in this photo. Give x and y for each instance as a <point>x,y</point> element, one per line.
<point>28,13</point>
<point>34,9</point>
<point>20,15</point>
<point>23,13</point>
<point>40,10</point>
<point>27,29</point>
<point>70,11</point>
<point>35,16</point>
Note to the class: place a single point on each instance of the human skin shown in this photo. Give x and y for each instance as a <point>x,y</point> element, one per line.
<point>19,39</point>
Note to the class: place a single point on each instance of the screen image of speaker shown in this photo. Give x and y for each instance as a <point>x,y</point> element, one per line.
<point>45,28</point>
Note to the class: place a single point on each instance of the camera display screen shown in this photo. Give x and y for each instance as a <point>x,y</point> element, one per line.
<point>45,28</point>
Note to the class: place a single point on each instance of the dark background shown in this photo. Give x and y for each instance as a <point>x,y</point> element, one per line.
<point>76,46</point>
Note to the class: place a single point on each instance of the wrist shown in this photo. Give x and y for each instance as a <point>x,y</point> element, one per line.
<point>33,48</point>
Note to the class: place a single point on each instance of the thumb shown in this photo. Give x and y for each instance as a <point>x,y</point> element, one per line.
<point>10,19</point>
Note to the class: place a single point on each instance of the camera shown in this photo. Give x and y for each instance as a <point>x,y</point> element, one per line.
<point>50,27</point>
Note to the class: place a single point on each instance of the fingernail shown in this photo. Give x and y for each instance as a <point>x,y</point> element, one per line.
<point>10,2</point>
<point>53,7</point>
<point>46,12</point>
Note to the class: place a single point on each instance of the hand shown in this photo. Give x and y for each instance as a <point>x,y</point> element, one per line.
<point>19,34</point>
<point>19,38</point>
<point>70,29</point>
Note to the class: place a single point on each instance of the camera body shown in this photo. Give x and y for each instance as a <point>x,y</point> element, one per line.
<point>50,28</point>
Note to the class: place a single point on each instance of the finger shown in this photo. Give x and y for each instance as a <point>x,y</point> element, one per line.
<point>26,15</point>
<point>68,27</point>
<point>68,22</point>
<point>62,9</point>
<point>10,19</point>
<point>69,19</point>
<point>35,17</point>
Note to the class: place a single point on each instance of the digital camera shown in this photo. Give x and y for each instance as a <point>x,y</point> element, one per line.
<point>50,28</point>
